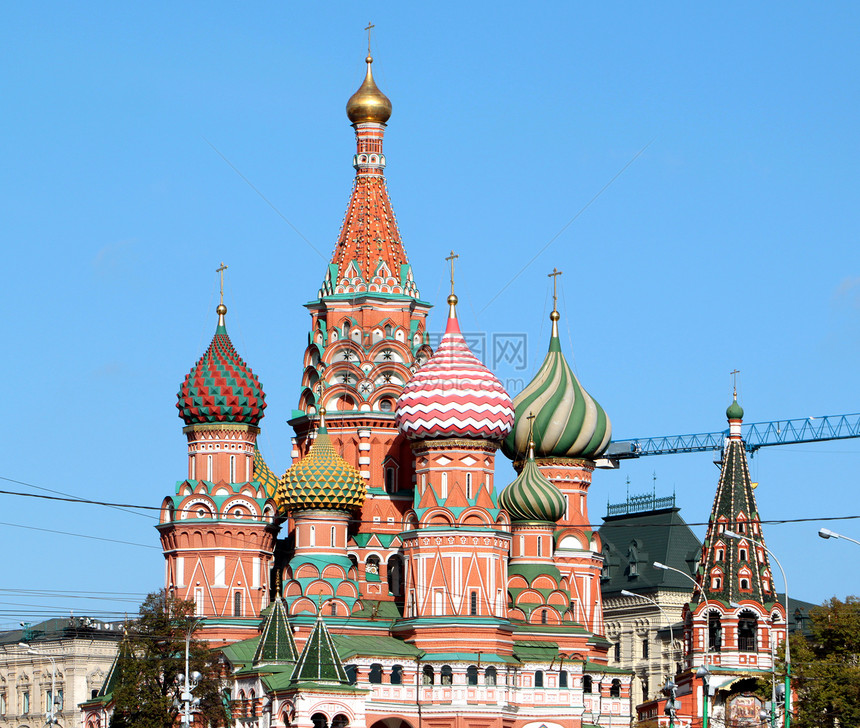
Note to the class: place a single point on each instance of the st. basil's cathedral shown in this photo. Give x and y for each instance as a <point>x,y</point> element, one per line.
<point>385,579</point>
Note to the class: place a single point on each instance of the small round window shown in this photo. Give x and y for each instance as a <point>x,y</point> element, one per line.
<point>385,405</point>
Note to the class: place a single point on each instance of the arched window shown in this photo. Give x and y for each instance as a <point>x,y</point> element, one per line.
<point>538,678</point>
<point>237,604</point>
<point>333,609</point>
<point>252,700</point>
<point>319,720</point>
<point>742,554</point>
<point>428,675</point>
<point>444,493</point>
<point>446,675</point>
<point>587,683</point>
<point>540,546</point>
<point>716,583</point>
<point>473,603</point>
<point>371,568</point>
<point>333,540</point>
<point>375,674</point>
<point>745,585</point>
<point>313,536</point>
<point>395,571</point>
<point>615,689</point>
<point>468,485</point>
<point>472,675</point>
<point>209,467</point>
<point>339,721</point>
<point>747,632</point>
<point>715,632</point>
<point>490,676</point>
<point>390,485</point>
<point>543,616</point>
<point>562,679</point>
<point>232,468</point>
<point>397,675</point>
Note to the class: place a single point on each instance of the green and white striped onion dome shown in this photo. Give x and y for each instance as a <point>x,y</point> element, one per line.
<point>321,479</point>
<point>531,497</point>
<point>568,422</point>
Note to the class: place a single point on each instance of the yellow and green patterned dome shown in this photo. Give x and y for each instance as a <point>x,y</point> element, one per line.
<point>263,474</point>
<point>321,479</point>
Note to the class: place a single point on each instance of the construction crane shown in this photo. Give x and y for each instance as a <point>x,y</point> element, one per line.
<point>755,435</point>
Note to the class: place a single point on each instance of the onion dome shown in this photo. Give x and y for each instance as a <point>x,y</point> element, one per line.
<point>263,474</point>
<point>568,421</point>
<point>735,411</point>
<point>454,394</point>
<point>321,479</point>
<point>531,497</point>
<point>368,103</point>
<point>221,387</point>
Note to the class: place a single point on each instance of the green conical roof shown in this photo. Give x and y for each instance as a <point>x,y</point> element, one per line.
<point>531,497</point>
<point>277,646</point>
<point>568,422</point>
<point>116,671</point>
<point>321,479</point>
<point>319,662</point>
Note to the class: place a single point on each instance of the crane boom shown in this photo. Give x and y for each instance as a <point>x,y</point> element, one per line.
<point>756,435</point>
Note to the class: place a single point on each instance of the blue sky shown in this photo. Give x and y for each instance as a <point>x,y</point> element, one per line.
<point>729,242</point>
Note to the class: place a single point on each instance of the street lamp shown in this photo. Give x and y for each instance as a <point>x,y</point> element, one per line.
<point>827,533</point>
<point>703,671</point>
<point>190,681</point>
<point>50,714</point>
<point>787,704</point>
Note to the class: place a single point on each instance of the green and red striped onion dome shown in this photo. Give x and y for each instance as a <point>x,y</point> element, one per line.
<point>321,479</point>
<point>531,497</point>
<point>568,422</point>
<point>220,387</point>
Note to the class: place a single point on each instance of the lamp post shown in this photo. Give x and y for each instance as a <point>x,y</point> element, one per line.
<point>190,681</point>
<point>703,671</point>
<point>827,533</point>
<point>50,714</point>
<point>787,704</point>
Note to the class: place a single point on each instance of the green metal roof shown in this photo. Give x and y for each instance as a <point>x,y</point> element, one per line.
<point>319,663</point>
<point>241,653</point>
<point>534,651</point>
<point>473,657</point>
<point>373,645</point>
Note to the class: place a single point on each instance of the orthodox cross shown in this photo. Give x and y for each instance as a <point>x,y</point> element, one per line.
<point>734,374</point>
<point>554,275</point>
<point>451,258</point>
<point>370,26</point>
<point>221,270</point>
<point>530,418</point>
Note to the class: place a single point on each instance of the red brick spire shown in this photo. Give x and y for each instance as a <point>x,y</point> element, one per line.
<point>369,256</point>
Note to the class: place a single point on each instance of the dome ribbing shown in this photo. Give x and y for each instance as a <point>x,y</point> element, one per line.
<point>321,479</point>
<point>568,423</point>
<point>220,387</point>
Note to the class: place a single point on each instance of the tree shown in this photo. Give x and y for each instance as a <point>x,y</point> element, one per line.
<point>826,667</point>
<point>146,691</point>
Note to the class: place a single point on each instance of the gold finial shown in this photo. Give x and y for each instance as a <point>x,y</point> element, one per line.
<point>452,299</point>
<point>370,26</point>
<point>368,104</point>
<point>734,374</point>
<point>221,309</point>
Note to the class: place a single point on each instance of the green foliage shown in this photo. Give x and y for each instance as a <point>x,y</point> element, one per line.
<point>826,667</point>
<point>146,691</point>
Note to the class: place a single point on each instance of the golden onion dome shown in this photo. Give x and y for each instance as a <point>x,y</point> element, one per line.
<point>368,103</point>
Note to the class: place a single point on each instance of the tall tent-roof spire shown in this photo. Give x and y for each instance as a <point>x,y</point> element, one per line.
<point>319,663</point>
<point>735,569</point>
<point>277,646</point>
<point>369,257</point>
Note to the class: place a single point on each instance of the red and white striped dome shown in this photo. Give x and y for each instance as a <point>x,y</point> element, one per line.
<point>454,395</point>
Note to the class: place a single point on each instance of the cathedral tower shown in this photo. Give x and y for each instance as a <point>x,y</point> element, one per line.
<point>218,531</point>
